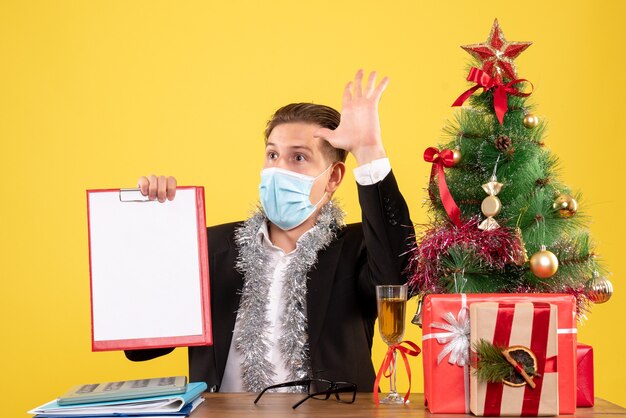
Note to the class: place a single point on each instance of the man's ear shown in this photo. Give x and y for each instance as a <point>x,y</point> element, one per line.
<point>338,170</point>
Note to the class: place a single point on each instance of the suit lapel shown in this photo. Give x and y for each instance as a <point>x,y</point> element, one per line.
<point>225,294</point>
<point>319,289</point>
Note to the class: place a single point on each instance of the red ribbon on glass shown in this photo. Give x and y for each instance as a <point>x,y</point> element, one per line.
<point>389,365</point>
<point>441,159</point>
<point>486,82</point>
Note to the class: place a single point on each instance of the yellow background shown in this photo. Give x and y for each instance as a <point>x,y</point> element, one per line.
<point>95,94</point>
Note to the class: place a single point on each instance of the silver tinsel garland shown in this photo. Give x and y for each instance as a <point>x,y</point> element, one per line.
<point>257,372</point>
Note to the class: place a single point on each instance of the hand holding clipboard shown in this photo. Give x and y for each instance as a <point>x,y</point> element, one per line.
<point>157,188</point>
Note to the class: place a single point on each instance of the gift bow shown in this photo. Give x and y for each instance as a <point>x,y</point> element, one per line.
<point>441,159</point>
<point>456,340</point>
<point>389,364</point>
<point>486,82</point>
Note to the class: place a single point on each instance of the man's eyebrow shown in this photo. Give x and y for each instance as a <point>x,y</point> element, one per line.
<point>296,147</point>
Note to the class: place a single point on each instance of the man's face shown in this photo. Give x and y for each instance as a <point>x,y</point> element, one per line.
<point>291,146</point>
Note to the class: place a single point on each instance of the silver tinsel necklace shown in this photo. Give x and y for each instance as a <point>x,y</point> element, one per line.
<point>252,341</point>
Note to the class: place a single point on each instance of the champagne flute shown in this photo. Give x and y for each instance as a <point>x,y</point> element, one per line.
<point>391,302</point>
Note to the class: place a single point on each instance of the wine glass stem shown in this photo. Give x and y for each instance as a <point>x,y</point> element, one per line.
<point>392,382</point>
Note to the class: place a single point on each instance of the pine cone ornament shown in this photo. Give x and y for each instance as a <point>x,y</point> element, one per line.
<point>503,143</point>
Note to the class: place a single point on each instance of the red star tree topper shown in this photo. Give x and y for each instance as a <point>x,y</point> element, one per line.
<point>497,54</point>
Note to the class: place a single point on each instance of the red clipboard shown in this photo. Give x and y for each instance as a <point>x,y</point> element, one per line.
<point>149,272</point>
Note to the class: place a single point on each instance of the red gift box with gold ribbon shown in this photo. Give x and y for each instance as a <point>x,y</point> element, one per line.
<point>445,348</point>
<point>529,328</point>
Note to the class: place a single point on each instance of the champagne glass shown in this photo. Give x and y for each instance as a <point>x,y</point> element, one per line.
<point>391,301</point>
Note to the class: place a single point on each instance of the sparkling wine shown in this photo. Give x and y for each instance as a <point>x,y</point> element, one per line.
<point>391,319</point>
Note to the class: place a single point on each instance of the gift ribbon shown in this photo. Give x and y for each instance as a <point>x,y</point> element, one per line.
<point>550,365</point>
<point>389,364</point>
<point>486,82</point>
<point>501,336</point>
<point>441,159</point>
<point>538,344</point>
<point>456,339</point>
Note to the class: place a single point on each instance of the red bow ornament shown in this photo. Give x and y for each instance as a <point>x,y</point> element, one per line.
<point>500,94</point>
<point>441,159</point>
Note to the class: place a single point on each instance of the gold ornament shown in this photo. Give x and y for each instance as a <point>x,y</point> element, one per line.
<point>417,319</point>
<point>531,121</point>
<point>565,205</point>
<point>544,263</point>
<point>523,258</point>
<point>600,289</point>
<point>491,205</point>
<point>457,156</point>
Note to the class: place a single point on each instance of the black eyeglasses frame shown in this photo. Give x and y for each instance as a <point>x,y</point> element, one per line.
<point>335,388</point>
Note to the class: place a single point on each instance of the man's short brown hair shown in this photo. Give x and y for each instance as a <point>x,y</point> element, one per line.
<point>324,116</point>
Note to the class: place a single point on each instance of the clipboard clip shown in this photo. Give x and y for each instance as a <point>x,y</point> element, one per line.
<point>133,195</point>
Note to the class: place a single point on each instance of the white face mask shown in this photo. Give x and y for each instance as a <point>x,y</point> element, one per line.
<point>285,196</point>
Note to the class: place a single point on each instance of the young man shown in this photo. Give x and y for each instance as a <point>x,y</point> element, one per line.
<point>293,288</point>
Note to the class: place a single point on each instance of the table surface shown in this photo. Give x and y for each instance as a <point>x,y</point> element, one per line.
<point>279,405</point>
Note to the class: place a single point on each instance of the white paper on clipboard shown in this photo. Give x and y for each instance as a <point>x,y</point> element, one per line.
<point>149,270</point>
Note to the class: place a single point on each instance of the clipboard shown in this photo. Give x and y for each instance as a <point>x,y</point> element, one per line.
<point>149,271</point>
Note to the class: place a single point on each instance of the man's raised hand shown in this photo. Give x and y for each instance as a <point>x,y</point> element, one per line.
<point>359,129</point>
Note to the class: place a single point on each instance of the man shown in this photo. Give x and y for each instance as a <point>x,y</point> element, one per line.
<point>293,288</point>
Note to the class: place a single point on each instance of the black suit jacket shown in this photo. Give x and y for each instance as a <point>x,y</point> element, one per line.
<point>341,298</point>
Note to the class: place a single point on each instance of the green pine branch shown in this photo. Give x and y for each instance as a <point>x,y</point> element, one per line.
<point>463,271</point>
<point>491,366</point>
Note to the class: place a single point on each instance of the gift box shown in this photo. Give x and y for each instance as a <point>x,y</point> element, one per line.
<point>445,348</point>
<point>527,332</point>
<point>584,377</point>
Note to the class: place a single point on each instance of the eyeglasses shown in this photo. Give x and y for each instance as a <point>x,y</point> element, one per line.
<point>319,389</point>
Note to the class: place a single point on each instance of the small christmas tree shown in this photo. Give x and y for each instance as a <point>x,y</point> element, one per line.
<point>503,222</point>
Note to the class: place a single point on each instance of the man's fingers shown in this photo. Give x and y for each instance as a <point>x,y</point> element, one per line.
<point>325,134</point>
<point>371,90</point>
<point>332,137</point>
<point>142,184</point>
<point>171,188</point>
<point>371,82</point>
<point>162,189</point>
<point>381,88</point>
<point>347,93</point>
<point>152,188</point>
<point>358,84</point>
